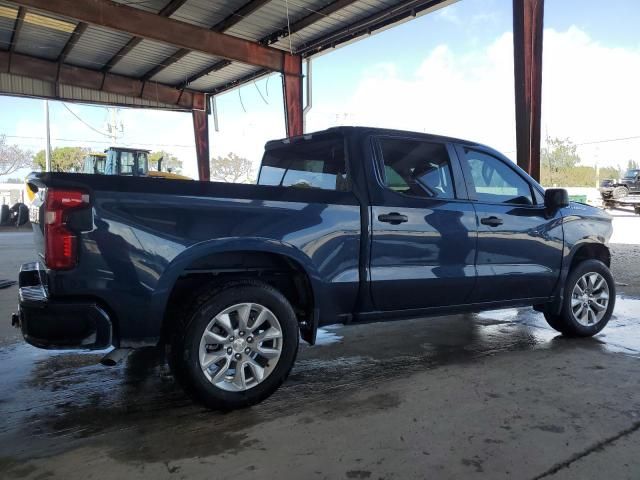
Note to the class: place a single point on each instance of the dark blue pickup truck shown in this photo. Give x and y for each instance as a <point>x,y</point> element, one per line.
<point>345,225</point>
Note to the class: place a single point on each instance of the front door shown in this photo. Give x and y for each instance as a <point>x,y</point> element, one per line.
<point>519,250</point>
<point>423,229</point>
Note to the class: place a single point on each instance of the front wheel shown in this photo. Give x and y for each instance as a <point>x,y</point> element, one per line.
<point>620,192</point>
<point>236,345</point>
<point>589,298</point>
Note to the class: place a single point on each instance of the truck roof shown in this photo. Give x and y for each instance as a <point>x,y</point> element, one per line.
<point>344,130</point>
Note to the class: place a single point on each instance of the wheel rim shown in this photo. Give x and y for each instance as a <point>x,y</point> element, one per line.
<point>590,299</point>
<point>240,347</point>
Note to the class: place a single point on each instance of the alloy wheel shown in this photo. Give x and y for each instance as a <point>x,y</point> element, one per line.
<point>240,347</point>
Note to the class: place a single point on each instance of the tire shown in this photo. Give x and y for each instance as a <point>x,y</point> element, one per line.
<point>620,192</point>
<point>242,388</point>
<point>574,320</point>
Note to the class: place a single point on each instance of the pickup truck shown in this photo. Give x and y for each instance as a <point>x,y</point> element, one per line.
<point>350,224</point>
<point>629,184</point>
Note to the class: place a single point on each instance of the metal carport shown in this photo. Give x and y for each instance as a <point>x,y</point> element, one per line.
<point>175,54</point>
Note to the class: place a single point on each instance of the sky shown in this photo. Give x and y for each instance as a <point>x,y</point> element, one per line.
<point>449,72</point>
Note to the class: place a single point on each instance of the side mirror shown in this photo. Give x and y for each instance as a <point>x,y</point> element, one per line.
<point>556,198</point>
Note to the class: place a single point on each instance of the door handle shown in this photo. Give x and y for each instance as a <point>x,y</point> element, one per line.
<point>394,218</point>
<point>491,221</point>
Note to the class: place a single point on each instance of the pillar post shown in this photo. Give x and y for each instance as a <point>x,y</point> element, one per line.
<point>528,19</point>
<point>201,134</point>
<point>292,92</point>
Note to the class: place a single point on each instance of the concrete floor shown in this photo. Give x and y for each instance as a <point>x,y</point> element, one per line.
<point>492,395</point>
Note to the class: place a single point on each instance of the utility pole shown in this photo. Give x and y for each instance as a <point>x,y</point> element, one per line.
<point>47,150</point>
<point>114,125</point>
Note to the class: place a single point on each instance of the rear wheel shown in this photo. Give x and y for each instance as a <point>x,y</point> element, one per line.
<point>588,302</point>
<point>236,345</point>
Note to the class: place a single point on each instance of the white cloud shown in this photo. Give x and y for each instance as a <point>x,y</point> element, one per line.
<point>589,93</point>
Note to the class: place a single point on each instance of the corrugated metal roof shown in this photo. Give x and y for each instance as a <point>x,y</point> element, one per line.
<point>221,77</point>
<point>94,96</point>
<point>153,6</point>
<point>42,36</point>
<point>206,13</point>
<point>8,16</point>
<point>96,46</point>
<point>178,72</point>
<point>31,87</point>
<point>273,17</point>
<point>45,36</point>
<point>142,58</point>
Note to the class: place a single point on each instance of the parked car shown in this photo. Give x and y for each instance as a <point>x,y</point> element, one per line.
<point>630,184</point>
<point>345,225</point>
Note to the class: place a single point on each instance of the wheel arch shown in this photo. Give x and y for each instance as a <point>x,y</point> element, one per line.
<point>259,258</point>
<point>585,249</point>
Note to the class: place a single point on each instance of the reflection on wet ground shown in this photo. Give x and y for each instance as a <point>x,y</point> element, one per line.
<point>52,401</point>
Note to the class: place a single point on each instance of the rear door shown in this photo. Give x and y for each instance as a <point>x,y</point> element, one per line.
<point>519,250</point>
<point>423,227</point>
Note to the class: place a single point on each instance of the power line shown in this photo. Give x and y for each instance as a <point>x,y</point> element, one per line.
<point>83,122</point>
<point>100,142</point>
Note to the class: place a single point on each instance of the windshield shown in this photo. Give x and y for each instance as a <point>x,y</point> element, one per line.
<point>632,173</point>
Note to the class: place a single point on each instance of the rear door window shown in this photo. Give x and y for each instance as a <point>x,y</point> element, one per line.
<point>314,163</point>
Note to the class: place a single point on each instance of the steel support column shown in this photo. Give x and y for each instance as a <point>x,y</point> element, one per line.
<point>528,19</point>
<point>201,133</point>
<point>292,92</point>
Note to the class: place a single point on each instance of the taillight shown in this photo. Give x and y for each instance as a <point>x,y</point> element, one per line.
<point>60,242</point>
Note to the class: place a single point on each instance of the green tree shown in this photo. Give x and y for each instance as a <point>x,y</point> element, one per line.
<point>611,173</point>
<point>558,158</point>
<point>170,163</point>
<point>63,159</point>
<point>231,169</point>
<point>12,157</point>
<point>632,165</point>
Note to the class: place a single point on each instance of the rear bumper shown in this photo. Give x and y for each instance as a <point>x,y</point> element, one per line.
<point>58,324</point>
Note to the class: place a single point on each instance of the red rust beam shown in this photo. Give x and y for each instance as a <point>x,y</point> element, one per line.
<point>52,71</point>
<point>167,11</point>
<point>106,13</point>
<point>201,133</point>
<point>225,24</point>
<point>528,21</point>
<point>292,89</point>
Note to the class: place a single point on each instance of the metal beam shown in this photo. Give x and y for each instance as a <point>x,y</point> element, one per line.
<point>201,134</point>
<point>167,11</point>
<point>17,27</point>
<point>292,91</point>
<point>73,39</point>
<point>151,26</point>
<point>228,22</point>
<point>274,37</point>
<point>383,18</point>
<point>304,22</point>
<point>528,20</point>
<point>54,72</point>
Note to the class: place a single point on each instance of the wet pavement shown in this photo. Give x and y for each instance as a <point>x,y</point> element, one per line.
<point>491,395</point>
